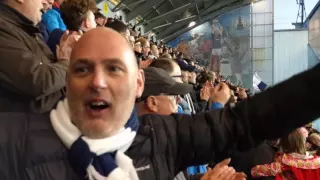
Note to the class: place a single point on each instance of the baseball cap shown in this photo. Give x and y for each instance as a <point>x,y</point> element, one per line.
<point>158,81</point>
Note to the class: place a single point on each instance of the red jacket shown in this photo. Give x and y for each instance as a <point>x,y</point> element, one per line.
<point>290,167</point>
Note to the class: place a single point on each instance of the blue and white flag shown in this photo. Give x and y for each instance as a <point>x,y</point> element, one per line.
<point>258,84</point>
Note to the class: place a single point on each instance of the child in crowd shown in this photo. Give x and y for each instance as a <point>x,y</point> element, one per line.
<point>294,163</point>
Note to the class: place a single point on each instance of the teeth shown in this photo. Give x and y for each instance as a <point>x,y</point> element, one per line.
<point>100,103</point>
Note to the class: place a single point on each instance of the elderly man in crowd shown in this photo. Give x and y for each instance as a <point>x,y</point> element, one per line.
<point>95,133</point>
<point>161,93</point>
<point>32,79</point>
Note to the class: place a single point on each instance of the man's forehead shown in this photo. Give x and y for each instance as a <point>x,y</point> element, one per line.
<point>124,57</point>
<point>102,43</point>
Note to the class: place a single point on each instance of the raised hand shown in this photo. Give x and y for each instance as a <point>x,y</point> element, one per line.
<point>223,172</point>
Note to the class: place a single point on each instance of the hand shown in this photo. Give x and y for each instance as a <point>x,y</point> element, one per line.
<point>193,78</point>
<point>205,93</point>
<point>221,93</point>
<point>66,45</point>
<point>222,172</point>
<point>145,64</point>
<point>242,93</point>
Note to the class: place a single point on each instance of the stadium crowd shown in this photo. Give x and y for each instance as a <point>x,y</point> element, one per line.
<point>84,96</point>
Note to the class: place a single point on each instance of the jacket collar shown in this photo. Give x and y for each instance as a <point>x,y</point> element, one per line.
<point>13,16</point>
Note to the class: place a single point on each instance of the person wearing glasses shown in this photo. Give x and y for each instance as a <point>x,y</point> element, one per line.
<point>161,93</point>
<point>145,44</point>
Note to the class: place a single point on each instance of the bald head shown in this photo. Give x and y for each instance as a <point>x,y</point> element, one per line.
<point>99,42</point>
<point>103,68</point>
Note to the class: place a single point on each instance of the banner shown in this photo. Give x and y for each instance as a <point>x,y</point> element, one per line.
<point>222,45</point>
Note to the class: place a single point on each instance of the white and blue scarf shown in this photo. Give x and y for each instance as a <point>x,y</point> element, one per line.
<point>96,159</point>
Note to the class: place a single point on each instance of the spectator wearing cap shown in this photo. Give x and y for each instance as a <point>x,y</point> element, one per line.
<point>52,18</point>
<point>189,103</point>
<point>161,93</point>
<point>78,15</point>
<point>174,71</point>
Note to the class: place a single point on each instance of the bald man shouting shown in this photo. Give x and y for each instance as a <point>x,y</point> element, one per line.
<point>95,133</point>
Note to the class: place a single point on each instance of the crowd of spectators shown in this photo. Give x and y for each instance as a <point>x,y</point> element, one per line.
<point>85,96</point>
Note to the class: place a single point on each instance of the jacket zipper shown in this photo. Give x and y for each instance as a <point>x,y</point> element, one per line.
<point>156,169</point>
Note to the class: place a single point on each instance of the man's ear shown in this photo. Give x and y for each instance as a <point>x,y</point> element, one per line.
<point>151,104</point>
<point>140,83</point>
<point>86,22</point>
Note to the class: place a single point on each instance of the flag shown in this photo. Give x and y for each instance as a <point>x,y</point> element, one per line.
<point>258,84</point>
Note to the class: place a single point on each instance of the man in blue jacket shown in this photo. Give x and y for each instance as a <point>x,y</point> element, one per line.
<point>52,18</point>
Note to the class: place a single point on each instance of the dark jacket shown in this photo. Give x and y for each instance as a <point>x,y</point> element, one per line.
<point>165,145</point>
<point>245,161</point>
<point>44,31</point>
<point>54,40</point>
<point>199,105</point>
<point>30,79</point>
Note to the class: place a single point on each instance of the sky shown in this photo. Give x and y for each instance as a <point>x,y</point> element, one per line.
<point>286,11</point>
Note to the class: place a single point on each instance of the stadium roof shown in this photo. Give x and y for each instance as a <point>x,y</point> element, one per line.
<point>170,18</point>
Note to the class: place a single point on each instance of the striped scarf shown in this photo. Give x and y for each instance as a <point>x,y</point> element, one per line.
<point>96,159</point>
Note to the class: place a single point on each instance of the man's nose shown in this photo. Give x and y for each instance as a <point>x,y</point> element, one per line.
<point>99,80</point>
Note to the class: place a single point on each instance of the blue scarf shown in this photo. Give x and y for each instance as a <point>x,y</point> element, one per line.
<point>98,159</point>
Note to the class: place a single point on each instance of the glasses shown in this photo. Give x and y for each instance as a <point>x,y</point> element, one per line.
<point>170,97</point>
<point>177,76</point>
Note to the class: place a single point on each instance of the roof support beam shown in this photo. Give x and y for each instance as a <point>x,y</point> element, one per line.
<point>141,10</point>
<point>156,21</point>
<point>116,8</point>
<point>170,12</point>
<point>170,1</point>
<point>163,25</point>
<point>154,8</point>
<point>128,5</point>
<point>171,23</point>
<point>214,7</point>
<point>208,17</point>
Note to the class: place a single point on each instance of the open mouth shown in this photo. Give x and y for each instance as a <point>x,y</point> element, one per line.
<point>98,105</point>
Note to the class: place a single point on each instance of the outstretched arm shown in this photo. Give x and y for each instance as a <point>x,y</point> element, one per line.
<point>208,137</point>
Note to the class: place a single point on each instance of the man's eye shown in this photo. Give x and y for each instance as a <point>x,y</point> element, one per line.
<point>114,69</point>
<point>81,70</point>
